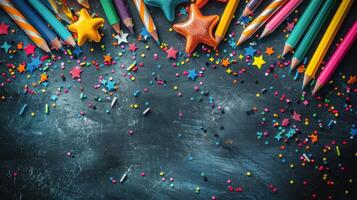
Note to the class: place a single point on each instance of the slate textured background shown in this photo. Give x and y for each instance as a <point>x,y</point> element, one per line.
<point>224,146</point>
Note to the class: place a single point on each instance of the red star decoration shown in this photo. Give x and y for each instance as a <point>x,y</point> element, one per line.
<point>197,29</point>
<point>29,49</point>
<point>76,72</point>
<point>132,47</point>
<point>4,29</point>
<point>290,26</point>
<point>296,116</point>
<point>285,122</point>
<point>171,53</point>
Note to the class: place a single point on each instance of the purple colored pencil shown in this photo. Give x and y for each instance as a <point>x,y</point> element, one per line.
<point>122,8</point>
<point>250,7</point>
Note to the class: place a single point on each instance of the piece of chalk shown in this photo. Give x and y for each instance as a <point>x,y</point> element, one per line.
<point>146,111</point>
<point>23,109</point>
<point>131,66</point>
<point>338,151</point>
<point>305,156</point>
<point>46,109</point>
<point>113,102</point>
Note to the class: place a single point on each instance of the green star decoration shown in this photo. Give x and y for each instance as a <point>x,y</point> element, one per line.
<point>167,6</point>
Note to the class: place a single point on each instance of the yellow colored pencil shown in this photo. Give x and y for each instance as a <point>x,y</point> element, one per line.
<point>20,20</point>
<point>226,19</point>
<point>326,40</point>
<point>146,19</point>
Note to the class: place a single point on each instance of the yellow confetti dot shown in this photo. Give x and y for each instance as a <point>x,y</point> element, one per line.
<point>257,95</point>
<point>162,173</point>
<point>33,114</point>
<point>291,181</point>
<point>248,173</point>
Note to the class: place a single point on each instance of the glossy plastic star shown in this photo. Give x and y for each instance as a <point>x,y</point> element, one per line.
<point>197,29</point>
<point>258,61</point>
<point>250,51</point>
<point>269,51</point>
<point>86,27</point>
<point>167,6</point>
<point>192,74</point>
<point>6,47</point>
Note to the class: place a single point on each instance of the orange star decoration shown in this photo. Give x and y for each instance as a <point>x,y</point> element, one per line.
<point>352,80</point>
<point>197,29</point>
<point>225,62</point>
<point>201,3</point>
<point>43,78</point>
<point>86,27</point>
<point>269,50</point>
<point>313,138</point>
<point>21,68</point>
<point>258,61</point>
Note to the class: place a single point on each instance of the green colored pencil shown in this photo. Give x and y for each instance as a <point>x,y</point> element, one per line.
<point>312,33</point>
<point>111,13</point>
<point>301,26</point>
<point>46,14</point>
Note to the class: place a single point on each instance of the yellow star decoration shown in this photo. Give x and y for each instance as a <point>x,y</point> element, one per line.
<point>258,61</point>
<point>86,27</point>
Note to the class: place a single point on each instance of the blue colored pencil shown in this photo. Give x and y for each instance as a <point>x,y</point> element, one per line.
<point>36,21</point>
<point>46,14</point>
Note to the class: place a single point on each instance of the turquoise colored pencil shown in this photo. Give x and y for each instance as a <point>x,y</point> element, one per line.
<point>312,33</point>
<point>46,14</point>
<point>301,26</point>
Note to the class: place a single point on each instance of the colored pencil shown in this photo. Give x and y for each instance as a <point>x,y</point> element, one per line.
<point>326,40</point>
<point>336,58</point>
<point>301,26</point>
<point>146,19</point>
<point>250,7</point>
<point>201,3</point>
<point>111,13</point>
<point>260,20</point>
<point>61,8</point>
<point>21,21</point>
<point>280,16</point>
<point>46,14</point>
<point>33,18</point>
<point>312,33</point>
<point>124,14</point>
<point>83,3</point>
<point>225,21</point>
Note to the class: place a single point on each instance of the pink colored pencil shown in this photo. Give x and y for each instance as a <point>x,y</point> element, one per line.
<point>336,58</point>
<point>280,16</point>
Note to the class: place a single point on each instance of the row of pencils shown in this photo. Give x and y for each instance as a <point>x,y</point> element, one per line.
<point>305,33</point>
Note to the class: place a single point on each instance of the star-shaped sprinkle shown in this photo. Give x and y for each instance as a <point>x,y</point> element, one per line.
<point>121,38</point>
<point>43,77</point>
<point>197,29</point>
<point>132,47</point>
<point>4,29</point>
<point>192,74</point>
<point>258,61</point>
<point>167,6</point>
<point>86,27</point>
<point>5,46</point>
<point>285,122</point>
<point>313,138</point>
<point>269,51</point>
<point>29,49</point>
<point>305,102</point>
<point>183,11</point>
<point>21,68</point>
<point>76,72</point>
<point>225,62</point>
<point>250,51</point>
<point>352,80</point>
<point>228,71</point>
<point>171,53</point>
<point>145,33</point>
<point>296,116</point>
<point>77,50</point>
<point>107,59</point>
<point>35,63</point>
<point>290,26</point>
